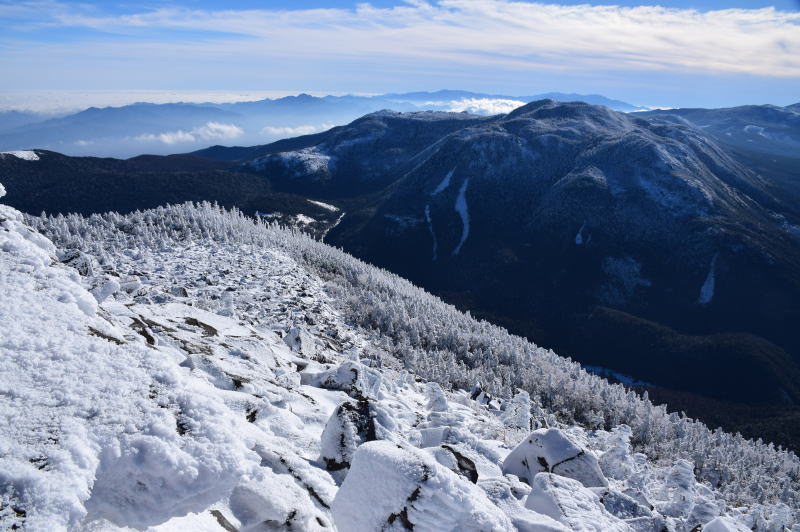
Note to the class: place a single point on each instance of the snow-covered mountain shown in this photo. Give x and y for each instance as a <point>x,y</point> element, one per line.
<point>765,128</point>
<point>188,368</point>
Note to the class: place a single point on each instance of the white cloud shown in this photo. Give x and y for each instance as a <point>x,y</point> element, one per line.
<point>484,106</point>
<point>210,131</point>
<point>500,34</point>
<point>287,131</point>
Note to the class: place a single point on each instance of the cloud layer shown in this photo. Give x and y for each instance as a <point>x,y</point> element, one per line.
<point>484,106</point>
<point>210,131</point>
<point>287,131</point>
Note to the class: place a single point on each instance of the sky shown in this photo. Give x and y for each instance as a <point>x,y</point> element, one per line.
<point>683,53</point>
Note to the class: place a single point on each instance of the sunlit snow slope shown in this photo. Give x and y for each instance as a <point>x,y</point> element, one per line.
<point>189,369</point>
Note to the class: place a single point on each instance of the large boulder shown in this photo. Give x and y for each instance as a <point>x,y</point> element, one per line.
<point>569,502</point>
<point>503,492</point>
<point>300,341</point>
<point>351,424</point>
<point>353,378</point>
<point>553,451</point>
<point>403,488</point>
<point>273,501</point>
<point>724,524</point>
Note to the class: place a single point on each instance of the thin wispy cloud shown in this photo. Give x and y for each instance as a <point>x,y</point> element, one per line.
<point>475,44</point>
<point>511,34</point>
<point>288,131</point>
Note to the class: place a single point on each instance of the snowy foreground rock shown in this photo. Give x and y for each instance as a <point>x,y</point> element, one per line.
<point>203,386</point>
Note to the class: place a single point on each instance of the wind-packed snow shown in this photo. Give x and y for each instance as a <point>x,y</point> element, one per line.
<point>444,183</point>
<point>463,212</point>
<point>707,290</point>
<point>183,370</point>
<point>27,155</point>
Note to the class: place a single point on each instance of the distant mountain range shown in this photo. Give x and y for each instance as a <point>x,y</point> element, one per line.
<point>166,128</point>
<point>640,243</point>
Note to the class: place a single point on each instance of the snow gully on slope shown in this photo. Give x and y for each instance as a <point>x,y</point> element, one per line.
<point>444,184</point>
<point>461,209</point>
<point>707,290</point>
<point>579,236</point>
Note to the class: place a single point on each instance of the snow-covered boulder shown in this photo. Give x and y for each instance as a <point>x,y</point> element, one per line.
<point>287,493</point>
<point>393,487</point>
<point>354,378</point>
<point>503,494</point>
<point>273,502</point>
<point>456,461</point>
<point>300,341</point>
<point>104,289</point>
<point>621,505</point>
<point>85,264</point>
<point>724,524</point>
<point>352,423</point>
<point>554,451</point>
<point>572,504</point>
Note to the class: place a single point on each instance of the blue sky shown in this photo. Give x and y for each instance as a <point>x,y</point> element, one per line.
<point>685,53</point>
